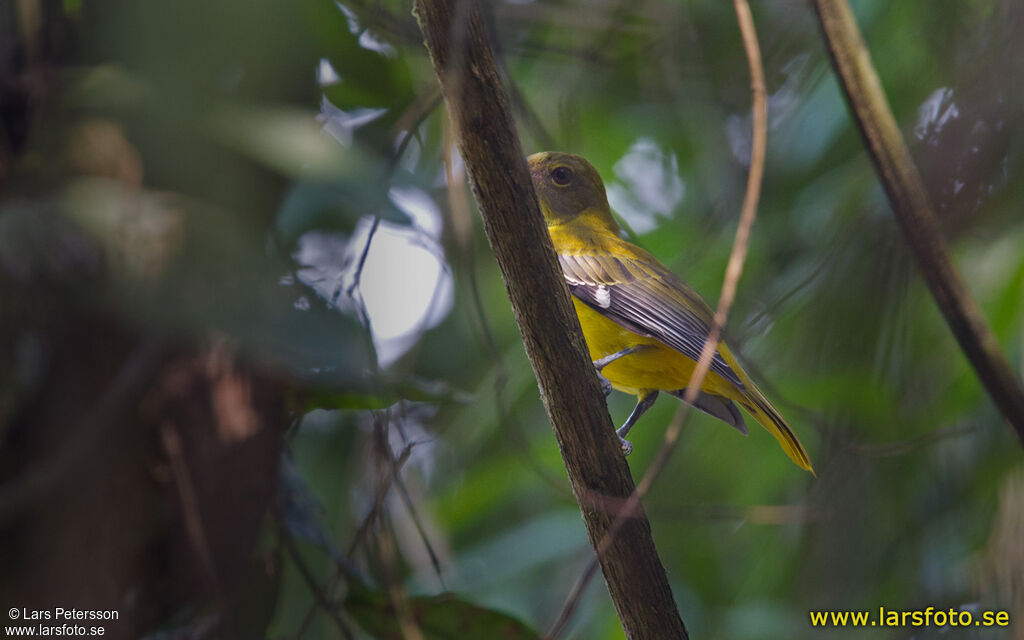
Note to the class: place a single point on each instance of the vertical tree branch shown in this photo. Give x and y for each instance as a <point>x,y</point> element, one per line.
<point>912,208</point>
<point>479,108</point>
<point>738,255</point>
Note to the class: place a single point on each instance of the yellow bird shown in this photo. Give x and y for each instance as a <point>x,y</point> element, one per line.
<point>644,327</point>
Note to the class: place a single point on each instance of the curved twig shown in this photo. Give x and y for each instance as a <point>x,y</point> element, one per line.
<point>732,275</point>
<point>913,210</point>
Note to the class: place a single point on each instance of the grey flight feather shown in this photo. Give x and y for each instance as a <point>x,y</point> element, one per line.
<point>645,301</point>
<point>717,407</point>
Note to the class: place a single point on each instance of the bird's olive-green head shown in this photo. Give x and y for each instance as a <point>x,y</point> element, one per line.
<point>567,186</point>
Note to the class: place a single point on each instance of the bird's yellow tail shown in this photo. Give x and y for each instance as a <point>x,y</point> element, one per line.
<point>770,418</point>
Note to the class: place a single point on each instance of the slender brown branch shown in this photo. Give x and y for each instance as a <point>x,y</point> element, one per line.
<point>389,473</point>
<point>913,210</point>
<point>388,556</point>
<point>319,594</point>
<point>749,212</point>
<point>383,487</point>
<point>732,275</point>
<point>417,522</point>
<point>572,601</point>
<point>479,108</point>
<point>190,510</point>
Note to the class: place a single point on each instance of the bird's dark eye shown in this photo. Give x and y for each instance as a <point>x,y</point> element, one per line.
<point>561,176</point>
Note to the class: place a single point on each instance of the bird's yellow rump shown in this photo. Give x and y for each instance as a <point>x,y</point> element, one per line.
<point>644,327</point>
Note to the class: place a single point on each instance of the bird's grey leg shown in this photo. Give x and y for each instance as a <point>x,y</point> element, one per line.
<point>606,386</point>
<point>641,407</point>
<point>607,360</point>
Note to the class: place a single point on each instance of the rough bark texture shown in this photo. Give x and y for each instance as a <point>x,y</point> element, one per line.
<point>913,210</point>
<point>479,108</point>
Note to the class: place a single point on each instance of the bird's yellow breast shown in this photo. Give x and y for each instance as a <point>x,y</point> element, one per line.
<point>654,366</point>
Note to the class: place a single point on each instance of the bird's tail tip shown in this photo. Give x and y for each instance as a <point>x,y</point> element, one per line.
<point>772,420</point>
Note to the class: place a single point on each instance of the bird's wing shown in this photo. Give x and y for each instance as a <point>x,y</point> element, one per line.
<point>647,299</point>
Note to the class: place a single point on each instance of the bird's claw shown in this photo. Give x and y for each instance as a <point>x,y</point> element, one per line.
<point>627,446</point>
<point>606,385</point>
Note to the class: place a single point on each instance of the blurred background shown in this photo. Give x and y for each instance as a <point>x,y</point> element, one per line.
<point>259,376</point>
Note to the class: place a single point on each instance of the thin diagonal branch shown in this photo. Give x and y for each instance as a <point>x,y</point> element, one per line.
<point>732,275</point>
<point>194,527</point>
<point>913,210</point>
<point>479,108</point>
<point>384,486</point>
<point>319,594</point>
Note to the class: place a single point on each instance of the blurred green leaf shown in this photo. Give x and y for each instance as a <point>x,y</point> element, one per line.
<point>443,617</point>
<point>333,206</point>
<point>339,35</point>
<point>110,87</point>
<point>414,390</point>
<point>292,142</point>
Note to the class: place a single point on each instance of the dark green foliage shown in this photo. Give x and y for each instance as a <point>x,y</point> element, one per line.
<point>442,617</point>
